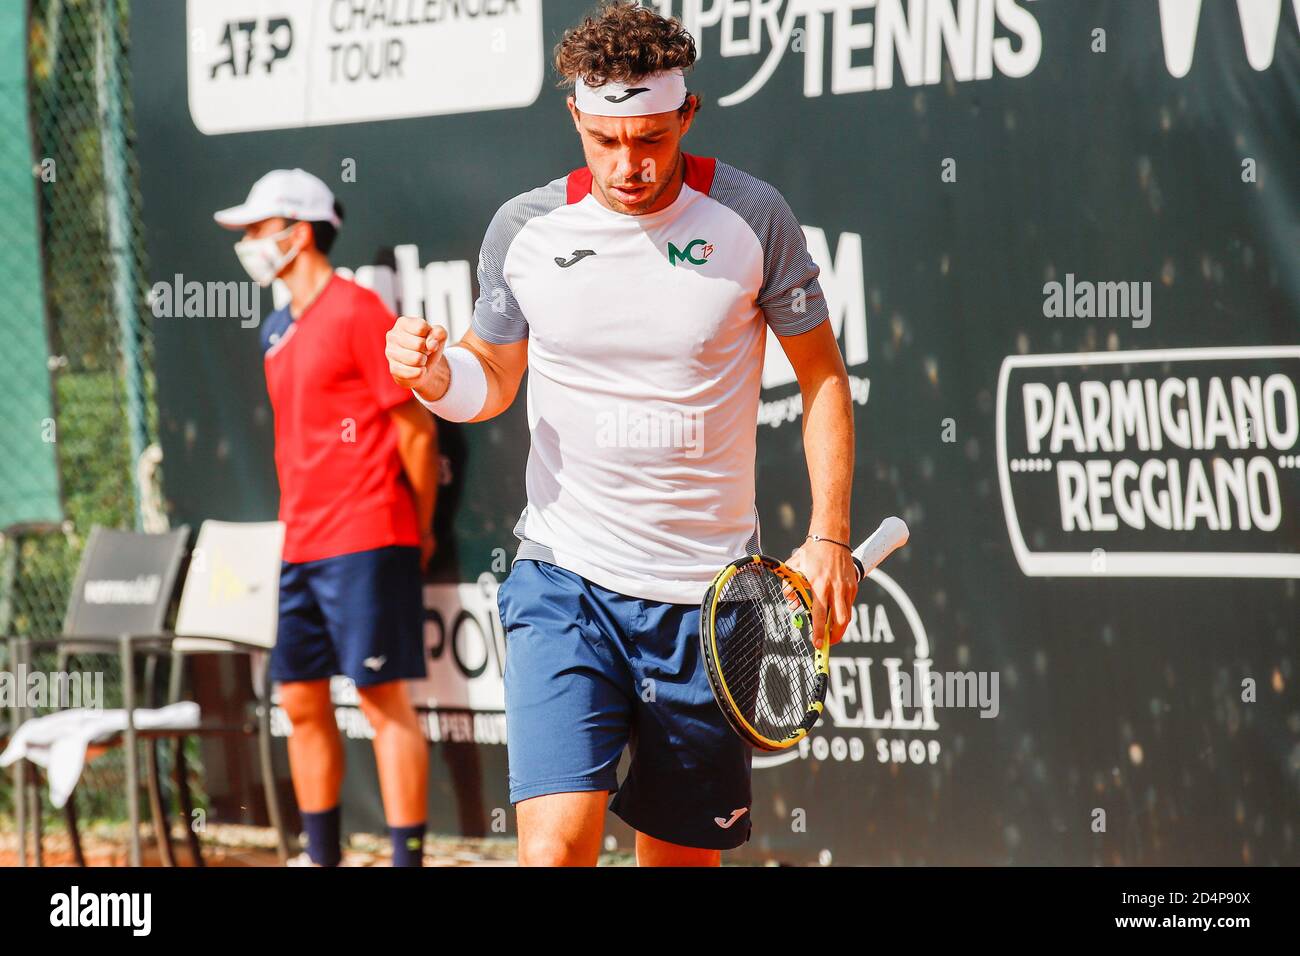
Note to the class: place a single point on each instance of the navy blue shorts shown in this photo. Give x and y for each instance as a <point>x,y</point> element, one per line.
<point>359,614</point>
<point>589,672</point>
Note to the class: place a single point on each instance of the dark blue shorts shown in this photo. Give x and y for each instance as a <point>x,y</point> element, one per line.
<point>359,614</point>
<point>589,672</point>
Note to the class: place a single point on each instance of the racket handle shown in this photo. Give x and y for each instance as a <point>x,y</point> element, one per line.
<point>888,538</point>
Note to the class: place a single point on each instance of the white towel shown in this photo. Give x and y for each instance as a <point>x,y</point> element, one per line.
<point>58,741</point>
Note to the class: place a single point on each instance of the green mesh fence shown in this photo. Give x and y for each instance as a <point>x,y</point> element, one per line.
<point>29,481</point>
<point>91,252</point>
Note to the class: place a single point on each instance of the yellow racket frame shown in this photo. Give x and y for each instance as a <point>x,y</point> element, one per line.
<point>722,693</point>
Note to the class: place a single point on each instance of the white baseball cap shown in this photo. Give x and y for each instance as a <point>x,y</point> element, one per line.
<point>288,193</point>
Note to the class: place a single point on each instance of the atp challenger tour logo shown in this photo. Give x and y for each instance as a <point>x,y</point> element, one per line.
<point>877,704</point>
<point>1168,463</point>
<point>280,64</point>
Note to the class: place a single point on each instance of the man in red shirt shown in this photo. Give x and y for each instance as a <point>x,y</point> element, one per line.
<point>356,457</point>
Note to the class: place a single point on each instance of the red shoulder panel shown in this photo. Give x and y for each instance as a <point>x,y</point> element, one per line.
<point>699,172</point>
<point>699,176</point>
<point>579,184</point>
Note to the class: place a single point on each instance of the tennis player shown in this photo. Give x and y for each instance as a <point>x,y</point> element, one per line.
<point>356,459</point>
<point>638,289</point>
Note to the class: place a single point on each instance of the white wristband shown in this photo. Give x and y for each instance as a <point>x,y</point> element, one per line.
<point>466,393</point>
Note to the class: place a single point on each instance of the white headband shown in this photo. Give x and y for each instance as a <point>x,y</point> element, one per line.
<point>660,92</point>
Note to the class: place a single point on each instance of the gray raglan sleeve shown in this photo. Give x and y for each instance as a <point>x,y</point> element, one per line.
<point>497,316</point>
<point>791,297</point>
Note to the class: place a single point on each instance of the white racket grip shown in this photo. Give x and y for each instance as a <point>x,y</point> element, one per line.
<point>888,538</point>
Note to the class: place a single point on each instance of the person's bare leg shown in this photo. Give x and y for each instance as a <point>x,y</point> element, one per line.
<point>315,748</point>
<point>652,852</point>
<point>562,829</point>
<point>401,752</point>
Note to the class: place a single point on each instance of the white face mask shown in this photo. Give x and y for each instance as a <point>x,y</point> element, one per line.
<point>262,258</point>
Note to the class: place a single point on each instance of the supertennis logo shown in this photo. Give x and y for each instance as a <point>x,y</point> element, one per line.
<point>1165,463</point>
<point>908,43</point>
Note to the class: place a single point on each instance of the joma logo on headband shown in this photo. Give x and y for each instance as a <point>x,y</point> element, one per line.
<point>627,94</point>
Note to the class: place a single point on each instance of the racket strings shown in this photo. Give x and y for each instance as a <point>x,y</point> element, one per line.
<point>764,652</point>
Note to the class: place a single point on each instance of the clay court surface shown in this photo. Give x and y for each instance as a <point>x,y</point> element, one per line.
<point>230,845</point>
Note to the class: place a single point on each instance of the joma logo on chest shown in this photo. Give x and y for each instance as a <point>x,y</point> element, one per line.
<point>578,256</point>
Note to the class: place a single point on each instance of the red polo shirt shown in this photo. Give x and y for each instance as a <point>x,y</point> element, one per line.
<point>342,487</point>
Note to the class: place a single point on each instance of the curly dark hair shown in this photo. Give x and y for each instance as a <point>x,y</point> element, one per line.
<point>620,42</point>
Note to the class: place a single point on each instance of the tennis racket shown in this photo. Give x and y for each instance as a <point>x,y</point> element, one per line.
<point>756,627</point>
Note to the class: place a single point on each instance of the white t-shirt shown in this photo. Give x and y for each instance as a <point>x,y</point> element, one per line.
<point>645,352</point>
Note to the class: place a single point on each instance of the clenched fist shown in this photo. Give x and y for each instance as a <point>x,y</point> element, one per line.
<point>414,352</point>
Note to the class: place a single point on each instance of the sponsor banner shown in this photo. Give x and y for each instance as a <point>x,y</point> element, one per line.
<point>871,713</point>
<point>279,64</point>
<point>1172,463</point>
<point>1057,244</point>
<point>462,698</point>
<point>464,648</point>
<point>910,44</point>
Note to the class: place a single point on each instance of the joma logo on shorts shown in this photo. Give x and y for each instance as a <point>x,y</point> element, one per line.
<point>736,814</point>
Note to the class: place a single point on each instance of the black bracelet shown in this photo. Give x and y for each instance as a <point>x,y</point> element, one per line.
<point>817,537</point>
